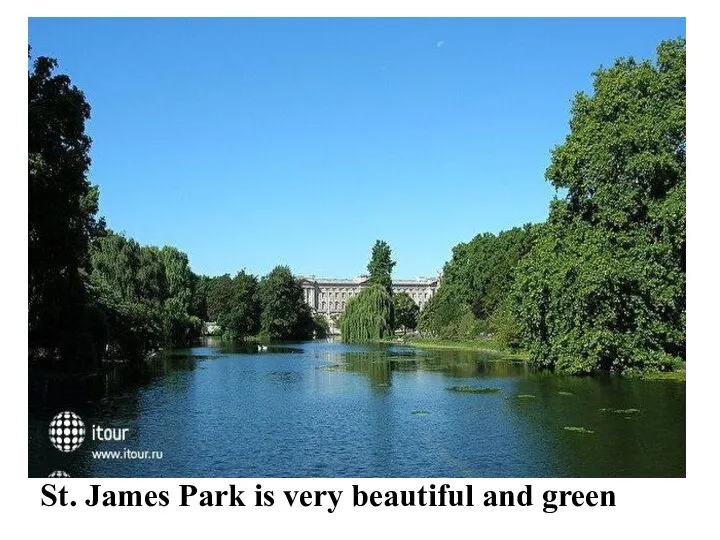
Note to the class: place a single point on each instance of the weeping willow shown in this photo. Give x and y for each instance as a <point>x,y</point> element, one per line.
<point>368,316</point>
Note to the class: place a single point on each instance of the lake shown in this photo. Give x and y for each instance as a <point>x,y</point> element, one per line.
<point>326,409</point>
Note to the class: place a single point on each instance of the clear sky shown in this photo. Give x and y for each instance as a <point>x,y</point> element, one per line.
<point>248,143</point>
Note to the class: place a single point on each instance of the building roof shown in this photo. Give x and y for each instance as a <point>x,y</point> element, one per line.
<point>362,279</point>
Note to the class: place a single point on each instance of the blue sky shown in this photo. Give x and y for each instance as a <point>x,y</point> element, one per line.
<point>248,143</point>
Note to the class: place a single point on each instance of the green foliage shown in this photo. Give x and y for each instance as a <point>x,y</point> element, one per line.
<point>61,218</point>
<point>368,316</point>
<point>481,272</point>
<point>321,327</point>
<point>200,289</point>
<point>445,316</point>
<point>285,315</point>
<point>242,315</point>
<point>406,311</point>
<point>144,293</point>
<point>381,265</point>
<point>604,285</point>
<point>473,295</point>
<point>504,326</point>
<point>219,296</point>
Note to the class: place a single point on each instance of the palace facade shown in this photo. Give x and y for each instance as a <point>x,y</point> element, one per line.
<point>329,296</point>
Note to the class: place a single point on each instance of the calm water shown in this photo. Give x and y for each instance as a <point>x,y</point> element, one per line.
<point>333,410</point>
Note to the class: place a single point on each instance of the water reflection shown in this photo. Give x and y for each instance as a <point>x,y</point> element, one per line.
<point>329,409</point>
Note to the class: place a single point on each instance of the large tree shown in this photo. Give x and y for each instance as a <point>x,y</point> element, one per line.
<point>143,292</point>
<point>381,265</point>
<point>61,214</point>
<point>285,315</point>
<point>368,316</point>
<point>476,284</point>
<point>406,311</point>
<point>220,296</point>
<point>243,316</point>
<point>604,286</point>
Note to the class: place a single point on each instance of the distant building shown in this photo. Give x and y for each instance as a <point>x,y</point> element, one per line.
<point>329,296</point>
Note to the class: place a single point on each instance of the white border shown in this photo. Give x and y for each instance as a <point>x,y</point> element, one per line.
<point>656,508</point>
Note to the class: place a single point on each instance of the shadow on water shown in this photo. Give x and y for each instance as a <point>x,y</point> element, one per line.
<point>379,363</point>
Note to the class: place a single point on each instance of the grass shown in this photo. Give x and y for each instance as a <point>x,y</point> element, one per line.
<point>677,376</point>
<point>578,429</point>
<point>474,389</point>
<point>482,345</point>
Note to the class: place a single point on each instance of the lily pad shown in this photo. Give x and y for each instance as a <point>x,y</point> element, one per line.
<point>474,389</point>
<point>578,429</point>
<point>420,413</point>
<point>525,396</point>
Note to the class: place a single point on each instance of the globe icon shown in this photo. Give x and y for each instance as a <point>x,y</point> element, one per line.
<point>67,431</point>
<point>58,474</point>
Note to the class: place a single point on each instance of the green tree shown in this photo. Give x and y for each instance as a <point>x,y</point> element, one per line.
<point>406,311</point>
<point>446,316</point>
<point>143,293</point>
<point>322,327</point>
<point>381,265</point>
<point>368,316</point>
<point>285,315</point>
<point>220,296</point>
<point>200,288</point>
<point>61,215</point>
<point>604,285</point>
<point>476,284</point>
<point>243,316</point>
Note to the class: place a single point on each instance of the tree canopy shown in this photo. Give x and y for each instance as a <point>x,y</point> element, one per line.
<point>61,215</point>
<point>406,311</point>
<point>381,265</point>
<point>370,315</point>
<point>604,285</point>
<point>367,316</point>
<point>144,293</point>
<point>285,315</point>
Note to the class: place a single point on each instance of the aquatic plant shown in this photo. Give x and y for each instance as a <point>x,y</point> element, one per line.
<point>620,411</point>
<point>578,429</point>
<point>474,389</point>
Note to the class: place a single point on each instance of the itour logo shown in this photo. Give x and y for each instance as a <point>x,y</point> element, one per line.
<point>67,431</point>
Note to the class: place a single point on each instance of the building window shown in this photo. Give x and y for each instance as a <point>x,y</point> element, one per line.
<point>337,306</point>
<point>323,305</point>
